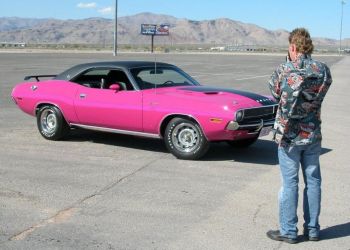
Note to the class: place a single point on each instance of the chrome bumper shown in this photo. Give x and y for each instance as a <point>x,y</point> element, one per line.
<point>233,125</point>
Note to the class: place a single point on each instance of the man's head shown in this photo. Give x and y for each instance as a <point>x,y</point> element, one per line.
<point>300,43</point>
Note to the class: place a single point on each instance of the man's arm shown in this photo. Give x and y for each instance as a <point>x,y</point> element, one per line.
<point>275,83</point>
<point>327,81</point>
<point>322,91</point>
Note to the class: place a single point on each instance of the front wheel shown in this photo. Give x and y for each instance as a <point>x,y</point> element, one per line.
<point>51,123</point>
<point>185,139</point>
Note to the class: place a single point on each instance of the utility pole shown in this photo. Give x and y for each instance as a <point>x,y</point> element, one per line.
<point>152,44</point>
<point>115,29</point>
<point>341,24</point>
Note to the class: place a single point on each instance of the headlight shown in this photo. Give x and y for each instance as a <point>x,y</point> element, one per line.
<point>239,115</point>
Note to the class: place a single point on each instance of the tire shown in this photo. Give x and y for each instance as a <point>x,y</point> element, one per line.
<point>243,143</point>
<point>185,139</point>
<point>51,123</point>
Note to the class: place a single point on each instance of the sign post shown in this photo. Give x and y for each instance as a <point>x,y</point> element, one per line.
<point>115,29</point>
<point>152,44</point>
<point>154,30</point>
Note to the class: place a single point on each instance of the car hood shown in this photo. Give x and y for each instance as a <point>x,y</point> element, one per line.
<point>218,96</point>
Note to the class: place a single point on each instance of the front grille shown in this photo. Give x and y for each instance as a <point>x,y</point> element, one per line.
<point>255,117</point>
<point>252,120</point>
<point>259,112</point>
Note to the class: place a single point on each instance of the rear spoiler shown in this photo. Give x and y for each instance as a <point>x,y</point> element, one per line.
<point>37,77</point>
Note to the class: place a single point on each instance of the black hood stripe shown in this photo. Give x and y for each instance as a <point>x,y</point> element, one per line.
<point>258,98</point>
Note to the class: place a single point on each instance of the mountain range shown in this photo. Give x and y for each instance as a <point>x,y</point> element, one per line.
<point>222,31</point>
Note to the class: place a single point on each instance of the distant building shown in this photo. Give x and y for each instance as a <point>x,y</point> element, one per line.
<point>244,47</point>
<point>217,48</point>
<point>12,45</point>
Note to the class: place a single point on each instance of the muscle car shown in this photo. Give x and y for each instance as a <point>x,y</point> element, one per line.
<point>149,99</point>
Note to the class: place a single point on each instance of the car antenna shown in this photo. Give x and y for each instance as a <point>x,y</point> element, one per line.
<point>155,72</point>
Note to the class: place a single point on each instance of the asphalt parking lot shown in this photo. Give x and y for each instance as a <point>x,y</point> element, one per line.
<point>106,191</point>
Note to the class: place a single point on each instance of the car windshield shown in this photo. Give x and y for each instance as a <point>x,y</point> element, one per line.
<point>158,77</point>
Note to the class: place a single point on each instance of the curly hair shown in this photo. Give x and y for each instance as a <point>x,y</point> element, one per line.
<point>302,40</point>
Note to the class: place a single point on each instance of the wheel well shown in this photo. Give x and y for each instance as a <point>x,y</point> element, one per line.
<point>42,105</point>
<point>170,117</point>
<point>49,104</point>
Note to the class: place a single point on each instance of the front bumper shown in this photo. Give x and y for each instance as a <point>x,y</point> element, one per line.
<point>252,127</point>
<point>254,119</point>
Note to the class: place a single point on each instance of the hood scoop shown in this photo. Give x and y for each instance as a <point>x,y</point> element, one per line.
<point>265,101</point>
<point>211,92</point>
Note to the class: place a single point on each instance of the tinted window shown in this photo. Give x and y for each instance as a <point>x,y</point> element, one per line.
<point>161,77</point>
<point>103,78</point>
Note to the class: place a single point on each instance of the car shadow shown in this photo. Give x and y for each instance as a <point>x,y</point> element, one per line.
<point>261,152</point>
<point>147,144</point>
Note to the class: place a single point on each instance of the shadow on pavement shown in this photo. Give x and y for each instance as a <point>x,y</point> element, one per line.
<point>334,232</point>
<point>325,151</point>
<point>261,152</point>
<point>119,140</point>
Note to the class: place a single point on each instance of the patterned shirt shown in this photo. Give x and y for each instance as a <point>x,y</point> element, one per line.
<point>300,87</point>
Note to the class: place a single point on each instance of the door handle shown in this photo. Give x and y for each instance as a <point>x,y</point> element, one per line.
<point>82,96</point>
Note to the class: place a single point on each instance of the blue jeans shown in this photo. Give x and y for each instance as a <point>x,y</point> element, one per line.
<point>290,158</point>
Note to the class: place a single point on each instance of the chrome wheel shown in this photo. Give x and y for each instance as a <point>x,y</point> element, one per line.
<point>185,137</point>
<point>48,121</point>
<point>51,123</point>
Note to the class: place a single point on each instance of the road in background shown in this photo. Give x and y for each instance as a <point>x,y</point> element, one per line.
<point>106,191</point>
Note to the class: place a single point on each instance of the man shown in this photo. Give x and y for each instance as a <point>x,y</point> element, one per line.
<point>299,85</point>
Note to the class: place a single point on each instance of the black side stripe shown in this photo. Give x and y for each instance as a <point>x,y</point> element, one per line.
<point>256,97</point>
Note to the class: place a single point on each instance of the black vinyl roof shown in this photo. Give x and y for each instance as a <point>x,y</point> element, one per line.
<point>126,65</point>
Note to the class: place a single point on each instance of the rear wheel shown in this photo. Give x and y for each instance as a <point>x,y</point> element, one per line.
<point>51,123</point>
<point>184,139</point>
<point>243,143</point>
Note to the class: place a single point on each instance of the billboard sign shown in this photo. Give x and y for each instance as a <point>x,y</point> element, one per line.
<point>155,30</point>
<point>148,29</point>
<point>162,30</point>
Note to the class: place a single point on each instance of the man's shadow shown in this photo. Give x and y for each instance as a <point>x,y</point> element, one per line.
<point>334,232</point>
<point>329,233</point>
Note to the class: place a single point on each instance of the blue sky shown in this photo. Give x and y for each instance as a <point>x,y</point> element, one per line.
<point>321,17</point>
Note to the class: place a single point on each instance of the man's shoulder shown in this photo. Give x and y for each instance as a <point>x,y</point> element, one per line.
<point>308,64</point>
<point>316,67</point>
<point>286,67</point>
<point>318,63</point>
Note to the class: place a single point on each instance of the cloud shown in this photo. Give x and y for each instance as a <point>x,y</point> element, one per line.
<point>87,5</point>
<point>106,10</point>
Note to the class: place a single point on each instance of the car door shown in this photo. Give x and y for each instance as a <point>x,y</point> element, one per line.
<point>108,108</point>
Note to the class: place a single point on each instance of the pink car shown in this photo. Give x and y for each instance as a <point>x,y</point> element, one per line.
<point>148,99</point>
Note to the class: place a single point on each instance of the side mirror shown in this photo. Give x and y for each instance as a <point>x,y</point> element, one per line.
<point>115,87</point>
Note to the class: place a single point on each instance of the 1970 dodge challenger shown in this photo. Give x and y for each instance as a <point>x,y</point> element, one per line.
<point>149,99</point>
